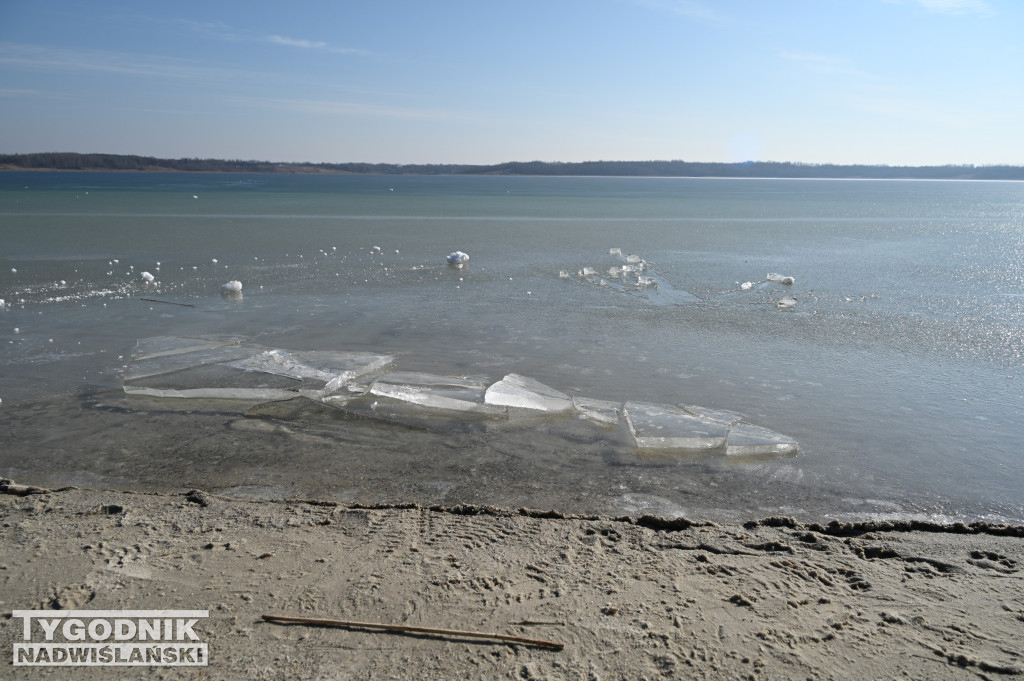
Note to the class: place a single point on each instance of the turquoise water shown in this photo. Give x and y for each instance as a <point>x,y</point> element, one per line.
<point>898,369</point>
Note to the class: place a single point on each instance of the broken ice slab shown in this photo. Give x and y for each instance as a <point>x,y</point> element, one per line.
<point>780,278</point>
<point>165,363</point>
<point>217,381</point>
<point>158,346</point>
<point>334,369</point>
<point>436,392</point>
<point>226,369</point>
<point>726,418</point>
<point>750,440</point>
<point>526,393</point>
<point>662,426</point>
<point>599,411</point>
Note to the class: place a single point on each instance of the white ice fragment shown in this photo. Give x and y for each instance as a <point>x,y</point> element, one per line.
<point>749,440</point>
<point>787,303</point>
<point>147,277</point>
<point>3,305</point>
<point>214,261</point>
<point>615,251</point>
<point>634,259</point>
<point>233,286</point>
<point>457,258</point>
<point>587,272</point>
<point>17,330</point>
<point>780,279</point>
<point>746,286</point>
<point>646,281</point>
<point>377,248</point>
<point>661,426</point>
<point>14,271</point>
<point>602,412</point>
<point>526,393</point>
<point>436,392</point>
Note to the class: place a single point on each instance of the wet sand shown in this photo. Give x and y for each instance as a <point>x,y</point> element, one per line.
<point>628,597</point>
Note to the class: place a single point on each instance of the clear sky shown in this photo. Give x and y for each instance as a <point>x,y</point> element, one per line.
<point>899,82</point>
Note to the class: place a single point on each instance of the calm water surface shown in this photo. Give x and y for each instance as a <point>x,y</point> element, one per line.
<point>898,370</point>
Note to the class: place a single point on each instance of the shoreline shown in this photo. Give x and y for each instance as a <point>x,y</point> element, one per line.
<point>625,596</point>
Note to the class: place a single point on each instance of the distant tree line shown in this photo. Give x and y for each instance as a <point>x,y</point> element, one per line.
<point>771,169</point>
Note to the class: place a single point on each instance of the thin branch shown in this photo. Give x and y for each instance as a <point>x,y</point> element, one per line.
<point>312,621</point>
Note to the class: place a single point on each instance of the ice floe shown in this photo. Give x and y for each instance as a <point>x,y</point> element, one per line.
<point>363,386</point>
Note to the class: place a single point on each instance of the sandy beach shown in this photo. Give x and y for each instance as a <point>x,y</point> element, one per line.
<point>632,598</point>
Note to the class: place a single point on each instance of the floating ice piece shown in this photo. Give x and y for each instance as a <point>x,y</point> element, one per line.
<point>563,274</point>
<point>602,412</point>
<point>527,393</point>
<point>226,369</point>
<point>787,303</point>
<point>147,277</point>
<point>587,272</point>
<point>233,286</point>
<point>634,259</point>
<point>615,251</point>
<point>436,392</point>
<point>457,258</point>
<point>780,279</point>
<point>3,305</point>
<point>746,286</point>
<point>726,418</point>
<point>661,426</point>
<point>646,281</point>
<point>377,248</point>
<point>750,440</point>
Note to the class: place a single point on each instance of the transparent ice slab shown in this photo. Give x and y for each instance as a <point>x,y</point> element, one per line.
<point>230,369</point>
<point>437,392</point>
<point>599,411</point>
<point>662,426</point>
<point>722,416</point>
<point>749,440</point>
<point>526,393</point>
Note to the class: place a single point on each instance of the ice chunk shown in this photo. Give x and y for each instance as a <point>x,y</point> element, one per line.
<point>634,259</point>
<point>224,368</point>
<point>526,393</point>
<point>147,348</point>
<point>750,440</point>
<point>746,286</point>
<point>333,369</point>
<point>587,272</point>
<point>457,258</point>
<point>615,251</point>
<point>780,279</point>
<point>661,426</point>
<point>726,418</point>
<point>147,277</point>
<point>563,274</point>
<point>436,392</point>
<point>233,286</point>
<point>787,303</point>
<point>606,413</point>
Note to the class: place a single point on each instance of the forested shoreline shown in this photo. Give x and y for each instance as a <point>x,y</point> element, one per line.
<point>762,169</point>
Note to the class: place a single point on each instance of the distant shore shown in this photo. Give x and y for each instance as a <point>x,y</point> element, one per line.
<point>60,161</point>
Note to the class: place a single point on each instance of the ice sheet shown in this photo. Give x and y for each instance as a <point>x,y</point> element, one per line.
<point>717,415</point>
<point>750,440</point>
<point>662,426</point>
<point>599,411</point>
<point>226,368</point>
<point>437,392</point>
<point>526,393</point>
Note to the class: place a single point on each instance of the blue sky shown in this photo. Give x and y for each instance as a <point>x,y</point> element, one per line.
<point>899,82</point>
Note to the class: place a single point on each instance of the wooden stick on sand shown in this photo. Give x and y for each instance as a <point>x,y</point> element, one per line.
<point>285,619</point>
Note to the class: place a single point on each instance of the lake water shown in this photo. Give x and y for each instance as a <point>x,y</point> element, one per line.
<point>898,369</point>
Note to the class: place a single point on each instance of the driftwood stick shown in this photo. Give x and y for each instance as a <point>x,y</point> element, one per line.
<point>166,302</point>
<point>285,619</point>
